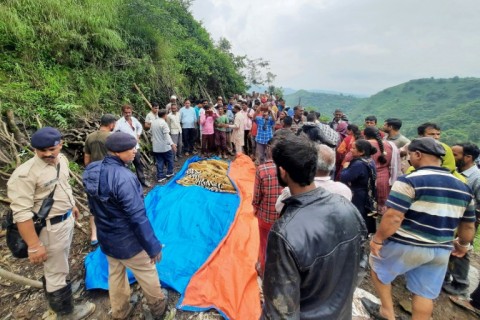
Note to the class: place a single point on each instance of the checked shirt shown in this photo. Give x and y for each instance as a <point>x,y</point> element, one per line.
<point>266,191</point>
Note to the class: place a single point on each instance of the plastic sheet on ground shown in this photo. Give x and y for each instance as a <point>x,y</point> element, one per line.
<point>211,244</point>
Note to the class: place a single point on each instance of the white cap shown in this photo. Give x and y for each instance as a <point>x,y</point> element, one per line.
<point>173,97</point>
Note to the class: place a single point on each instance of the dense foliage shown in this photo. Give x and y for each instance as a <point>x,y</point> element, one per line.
<point>62,58</point>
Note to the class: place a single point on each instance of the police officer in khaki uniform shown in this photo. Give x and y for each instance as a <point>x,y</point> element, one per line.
<point>29,184</point>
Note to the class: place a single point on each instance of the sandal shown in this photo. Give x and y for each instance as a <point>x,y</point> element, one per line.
<point>372,308</point>
<point>464,303</point>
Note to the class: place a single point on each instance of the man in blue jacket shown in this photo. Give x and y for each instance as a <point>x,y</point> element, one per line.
<point>115,197</point>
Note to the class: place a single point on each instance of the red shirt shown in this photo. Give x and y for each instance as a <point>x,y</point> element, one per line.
<point>253,131</point>
<point>266,191</point>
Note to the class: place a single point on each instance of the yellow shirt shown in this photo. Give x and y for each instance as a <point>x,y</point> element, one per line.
<point>448,162</point>
<point>274,109</point>
<point>33,181</point>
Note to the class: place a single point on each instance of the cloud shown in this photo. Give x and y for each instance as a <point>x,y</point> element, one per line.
<point>367,49</point>
<point>350,46</point>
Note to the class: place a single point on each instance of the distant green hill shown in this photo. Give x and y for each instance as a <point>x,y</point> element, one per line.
<point>323,102</point>
<point>454,104</point>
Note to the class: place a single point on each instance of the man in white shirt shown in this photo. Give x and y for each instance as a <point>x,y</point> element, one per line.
<point>188,119</point>
<point>133,127</point>
<point>173,99</point>
<point>249,115</point>
<point>173,121</point>
<point>162,146</point>
<point>325,165</point>
<point>152,115</point>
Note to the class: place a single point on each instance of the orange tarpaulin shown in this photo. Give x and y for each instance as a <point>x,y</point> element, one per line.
<point>228,280</point>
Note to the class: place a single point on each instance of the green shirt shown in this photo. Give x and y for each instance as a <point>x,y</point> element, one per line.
<point>219,120</point>
<point>95,145</point>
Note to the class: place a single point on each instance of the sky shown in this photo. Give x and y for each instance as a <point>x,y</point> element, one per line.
<point>350,46</point>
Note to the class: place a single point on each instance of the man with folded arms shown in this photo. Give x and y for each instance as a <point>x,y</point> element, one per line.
<point>29,184</point>
<point>416,235</point>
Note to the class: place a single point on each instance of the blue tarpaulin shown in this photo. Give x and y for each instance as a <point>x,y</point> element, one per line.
<point>189,221</point>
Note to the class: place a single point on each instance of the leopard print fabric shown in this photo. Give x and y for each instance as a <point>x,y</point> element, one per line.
<point>208,174</point>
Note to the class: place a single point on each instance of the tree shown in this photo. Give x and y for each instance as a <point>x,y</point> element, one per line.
<point>224,45</point>
<point>255,69</point>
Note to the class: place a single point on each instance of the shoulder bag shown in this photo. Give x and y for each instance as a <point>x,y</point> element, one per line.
<point>15,242</point>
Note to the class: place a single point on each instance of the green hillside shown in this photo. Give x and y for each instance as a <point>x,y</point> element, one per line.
<point>322,102</point>
<point>63,58</point>
<point>454,104</point>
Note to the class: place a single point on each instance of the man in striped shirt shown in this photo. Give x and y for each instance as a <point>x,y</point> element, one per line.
<point>415,237</point>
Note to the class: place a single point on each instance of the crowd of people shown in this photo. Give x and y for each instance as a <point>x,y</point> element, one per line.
<point>321,190</point>
<point>419,202</point>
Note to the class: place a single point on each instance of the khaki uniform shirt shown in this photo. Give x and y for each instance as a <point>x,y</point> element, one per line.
<point>33,181</point>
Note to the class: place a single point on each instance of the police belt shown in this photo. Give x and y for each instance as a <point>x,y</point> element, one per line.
<point>61,218</point>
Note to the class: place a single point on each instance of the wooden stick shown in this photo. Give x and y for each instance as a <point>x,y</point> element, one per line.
<point>82,206</point>
<point>12,293</point>
<point>20,279</point>
<point>79,226</point>
<point>143,96</point>
<point>76,177</point>
<point>6,200</point>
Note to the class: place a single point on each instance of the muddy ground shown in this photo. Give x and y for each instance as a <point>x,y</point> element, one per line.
<point>20,302</point>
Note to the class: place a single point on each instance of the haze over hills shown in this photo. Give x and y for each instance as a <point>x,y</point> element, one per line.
<point>326,103</point>
<point>454,104</point>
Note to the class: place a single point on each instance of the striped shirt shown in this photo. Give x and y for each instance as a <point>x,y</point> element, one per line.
<point>434,203</point>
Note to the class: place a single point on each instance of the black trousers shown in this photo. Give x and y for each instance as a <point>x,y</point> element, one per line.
<point>139,167</point>
<point>188,135</point>
<point>247,143</point>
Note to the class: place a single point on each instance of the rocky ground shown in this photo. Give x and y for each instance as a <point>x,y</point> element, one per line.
<point>21,302</point>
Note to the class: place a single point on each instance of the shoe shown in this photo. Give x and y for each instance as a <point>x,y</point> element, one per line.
<point>131,307</point>
<point>464,303</point>
<point>169,175</point>
<point>176,159</point>
<point>455,289</point>
<point>79,312</point>
<point>372,308</point>
<point>157,313</point>
<point>162,180</point>
<point>146,184</point>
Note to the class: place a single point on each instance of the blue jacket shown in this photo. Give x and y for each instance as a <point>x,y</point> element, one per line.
<point>115,197</point>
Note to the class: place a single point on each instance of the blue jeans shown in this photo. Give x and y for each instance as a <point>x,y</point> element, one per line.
<point>163,158</point>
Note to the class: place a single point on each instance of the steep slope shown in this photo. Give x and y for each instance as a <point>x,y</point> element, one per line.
<point>62,58</point>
